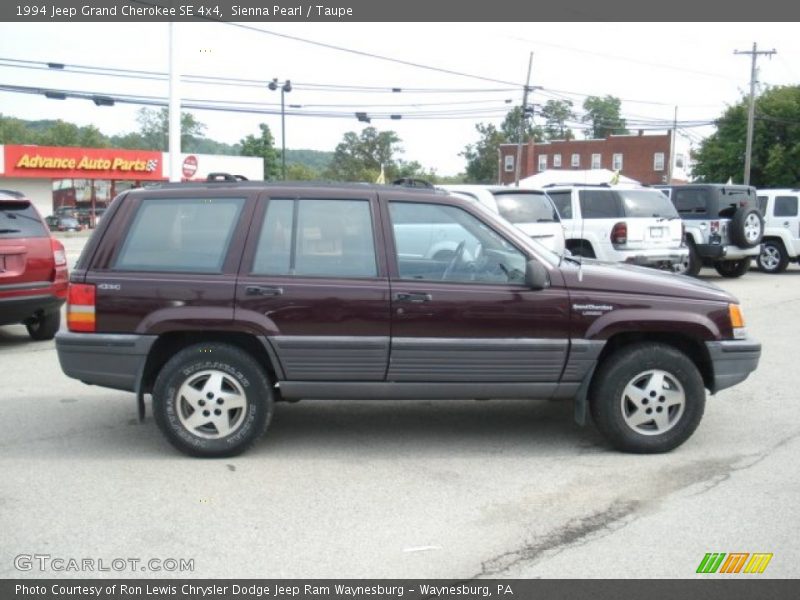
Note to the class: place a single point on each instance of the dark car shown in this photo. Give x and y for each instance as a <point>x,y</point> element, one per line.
<point>33,269</point>
<point>220,298</point>
<point>62,223</point>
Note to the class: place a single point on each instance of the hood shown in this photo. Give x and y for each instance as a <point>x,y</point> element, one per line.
<point>619,277</point>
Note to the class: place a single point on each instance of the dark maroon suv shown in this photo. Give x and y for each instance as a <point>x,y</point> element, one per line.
<point>219,299</point>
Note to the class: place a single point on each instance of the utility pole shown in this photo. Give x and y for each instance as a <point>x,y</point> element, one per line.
<point>751,112</point>
<point>672,140</point>
<point>522,120</point>
<point>174,119</point>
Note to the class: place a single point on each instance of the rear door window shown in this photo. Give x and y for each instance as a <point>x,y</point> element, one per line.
<point>180,234</point>
<point>20,220</point>
<point>317,238</point>
<point>563,202</point>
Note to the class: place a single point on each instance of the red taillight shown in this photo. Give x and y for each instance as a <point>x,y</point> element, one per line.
<point>80,307</point>
<point>714,226</point>
<point>59,254</point>
<point>619,234</point>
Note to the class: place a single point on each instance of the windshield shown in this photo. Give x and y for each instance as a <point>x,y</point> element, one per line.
<point>526,207</point>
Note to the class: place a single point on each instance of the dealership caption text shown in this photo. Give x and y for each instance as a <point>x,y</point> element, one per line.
<point>308,11</point>
<point>274,590</point>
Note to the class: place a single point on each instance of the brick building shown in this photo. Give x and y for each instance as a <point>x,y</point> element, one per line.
<point>644,158</point>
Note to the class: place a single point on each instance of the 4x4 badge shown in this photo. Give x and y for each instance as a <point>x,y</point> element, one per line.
<point>592,309</point>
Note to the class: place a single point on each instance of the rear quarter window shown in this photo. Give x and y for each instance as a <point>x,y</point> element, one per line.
<point>691,203</point>
<point>20,220</point>
<point>563,202</point>
<point>180,234</point>
<point>600,204</point>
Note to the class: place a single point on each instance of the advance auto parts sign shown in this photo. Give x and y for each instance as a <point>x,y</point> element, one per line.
<point>87,163</point>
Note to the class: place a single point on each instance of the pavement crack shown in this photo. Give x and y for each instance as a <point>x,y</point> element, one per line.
<point>573,532</point>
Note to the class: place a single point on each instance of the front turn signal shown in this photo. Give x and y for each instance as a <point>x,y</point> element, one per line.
<point>737,321</point>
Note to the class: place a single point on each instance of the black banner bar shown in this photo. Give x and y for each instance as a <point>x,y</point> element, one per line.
<point>746,587</point>
<point>397,11</point>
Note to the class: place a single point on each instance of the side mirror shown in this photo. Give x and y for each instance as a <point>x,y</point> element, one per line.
<point>536,276</point>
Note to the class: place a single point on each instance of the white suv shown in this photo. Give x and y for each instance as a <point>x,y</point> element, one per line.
<point>530,210</point>
<point>781,243</point>
<point>634,225</point>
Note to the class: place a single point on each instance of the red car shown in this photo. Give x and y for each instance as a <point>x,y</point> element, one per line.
<point>33,269</point>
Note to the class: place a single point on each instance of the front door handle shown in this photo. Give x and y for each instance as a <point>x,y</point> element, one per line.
<point>415,297</point>
<point>263,290</point>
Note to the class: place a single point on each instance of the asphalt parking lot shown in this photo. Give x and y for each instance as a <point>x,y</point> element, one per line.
<point>405,489</point>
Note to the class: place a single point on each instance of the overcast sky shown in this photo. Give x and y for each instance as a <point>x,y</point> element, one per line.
<point>652,67</point>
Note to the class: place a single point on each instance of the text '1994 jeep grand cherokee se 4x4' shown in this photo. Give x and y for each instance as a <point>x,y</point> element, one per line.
<point>221,298</point>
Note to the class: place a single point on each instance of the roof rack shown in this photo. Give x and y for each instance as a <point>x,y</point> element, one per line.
<point>227,177</point>
<point>12,193</point>
<point>575,184</point>
<point>413,182</point>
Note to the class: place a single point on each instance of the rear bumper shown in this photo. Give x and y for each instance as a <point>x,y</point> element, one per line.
<point>19,309</point>
<point>662,258</point>
<point>732,361</point>
<point>720,252</point>
<point>107,359</point>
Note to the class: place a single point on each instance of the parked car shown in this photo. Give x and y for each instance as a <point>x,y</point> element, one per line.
<point>781,244</point>
<point>529,209</point>
<point>33,269</point>
<point>221,298</point>
<point>629,224</point>
<point>62,223</point>
<point>723,225</point>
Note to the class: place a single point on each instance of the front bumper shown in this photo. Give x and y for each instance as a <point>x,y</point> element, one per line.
<point>732,361</point>
<point>107,359</point>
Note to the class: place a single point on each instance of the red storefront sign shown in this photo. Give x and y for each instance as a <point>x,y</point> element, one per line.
<point>82,163</point>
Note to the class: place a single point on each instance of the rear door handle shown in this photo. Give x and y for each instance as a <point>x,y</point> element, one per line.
<point>415,297</point>
<point>263,290</point>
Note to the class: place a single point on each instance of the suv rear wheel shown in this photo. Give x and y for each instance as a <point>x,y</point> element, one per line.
<point>212,400</point>
<point>773,257</point>
<point>647,398</point>
<point>733,268</point>
<point>45,327</point>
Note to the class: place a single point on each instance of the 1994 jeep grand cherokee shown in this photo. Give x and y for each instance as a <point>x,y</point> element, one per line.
<point>221,298</point>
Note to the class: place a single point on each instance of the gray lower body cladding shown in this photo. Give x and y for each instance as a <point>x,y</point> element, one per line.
<point>732,362</point>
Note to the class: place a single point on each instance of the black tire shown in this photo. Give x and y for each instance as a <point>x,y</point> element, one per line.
<point>214,372</point>
<point>773,257</point>
<point>45,327</point>
<point>733,268</point>
<point>613,411</point>
<point>694,262</point>
<point>747,228</point>
<point>583,249</point>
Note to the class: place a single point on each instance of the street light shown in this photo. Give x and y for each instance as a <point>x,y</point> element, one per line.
<point>285,88</point>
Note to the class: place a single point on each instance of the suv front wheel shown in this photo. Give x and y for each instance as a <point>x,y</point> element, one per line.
<point>647,398</point>
<point>212,400</point>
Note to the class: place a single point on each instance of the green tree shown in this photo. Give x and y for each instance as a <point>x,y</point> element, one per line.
<point>60,133</point>
<point>14,131</point>
<point>154,129</point>
<point>301,172</point>
<point>263,146</point>
<point>603,117</point>
<point>556,113</point>
<point>482,156</point>
<point>358,157</point>
<point>775,160</point>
